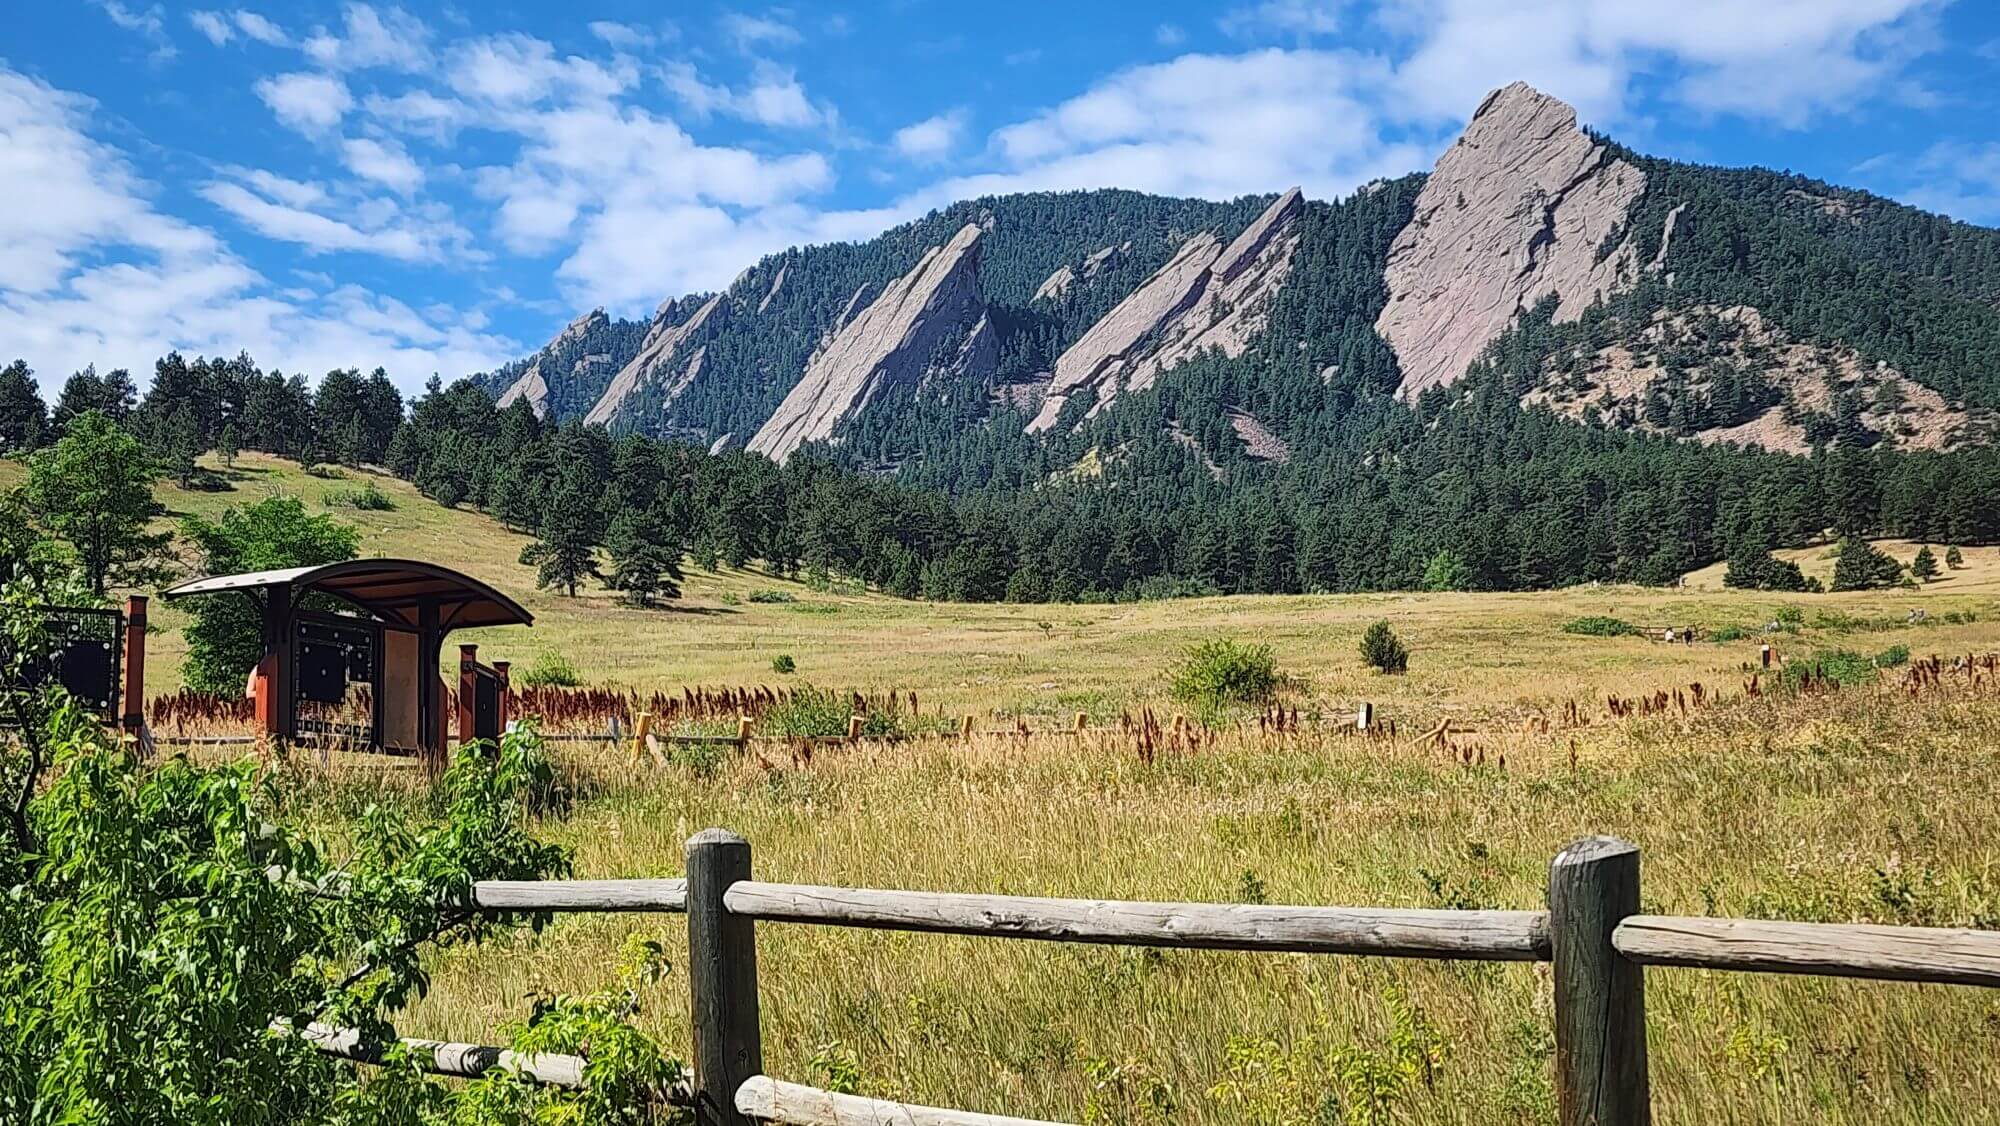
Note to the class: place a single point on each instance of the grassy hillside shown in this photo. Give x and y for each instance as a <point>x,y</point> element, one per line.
<point>1499,655</point>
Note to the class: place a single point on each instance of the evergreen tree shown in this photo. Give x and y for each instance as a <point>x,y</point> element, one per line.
<point>645,549</point>
<point>225,445</point>
<point>182,444</point>
<point>24,418</point>
<point>565,549</point>
<point>1954,558</point>
<point>1861,566</point>
<point>1383,651</point>
<point>93,489</point>
<point>1925,565</point>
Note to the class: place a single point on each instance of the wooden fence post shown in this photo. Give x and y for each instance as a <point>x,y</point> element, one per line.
<point>1600,996</point>
<point>854,728</point>
<point>468,690</point>
<point>742,731</point>
<point>722,978</point>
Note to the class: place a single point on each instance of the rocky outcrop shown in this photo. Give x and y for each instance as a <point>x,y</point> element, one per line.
<point>1058,284</point>
<point>777,284</point>
<point>1207,296</point>
<point>662,356</point>
<point>1615,383</point>
<point>533,383</point>
<point>929,320</point>
<point>1517,210</point>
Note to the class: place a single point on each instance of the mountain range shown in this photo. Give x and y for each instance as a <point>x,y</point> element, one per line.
<point>1009,339</point>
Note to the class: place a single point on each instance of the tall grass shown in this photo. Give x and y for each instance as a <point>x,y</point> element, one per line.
<point>1849,805</point>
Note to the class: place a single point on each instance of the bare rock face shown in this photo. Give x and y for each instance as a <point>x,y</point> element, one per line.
<point>663,355</point>
<point>1055,285</point>
<point>930,319</point>
<point>1207,296</point>
<point>532,384</point>
<point>1514,212</point>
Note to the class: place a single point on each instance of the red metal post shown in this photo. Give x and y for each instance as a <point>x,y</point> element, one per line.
<point>134,715</point>
<point>468,692</point>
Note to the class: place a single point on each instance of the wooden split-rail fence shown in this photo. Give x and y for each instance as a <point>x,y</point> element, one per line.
<point>1592,932</point>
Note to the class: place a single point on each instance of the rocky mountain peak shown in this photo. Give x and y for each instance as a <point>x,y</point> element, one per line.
<point>935,310</point>
<point>1207,296</point>
<point>1515,211</point>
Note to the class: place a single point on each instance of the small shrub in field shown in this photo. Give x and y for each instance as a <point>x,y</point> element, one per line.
<point>368,498</point>
<point>812,713</point>
<point>783,663</point>
<point>1383,650</point>
<point>1841,666</point>
<point>1222,671</point>
<point>772,596</point>
<point>1789,616</point>
<point>1729,633</point>
<point>324,471</point>
<point>1893,656</point>
<point>551,670</point>
<point>1600,625</point>
<point>1960,617</point>
<point>1953,557</point>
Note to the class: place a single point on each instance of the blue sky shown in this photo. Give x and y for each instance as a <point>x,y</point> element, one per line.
<point>440,188</point>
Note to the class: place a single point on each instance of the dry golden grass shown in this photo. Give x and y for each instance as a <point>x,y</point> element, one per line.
<point>1854,805</point>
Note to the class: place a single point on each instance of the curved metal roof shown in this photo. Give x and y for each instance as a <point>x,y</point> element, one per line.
<point>391,589</point>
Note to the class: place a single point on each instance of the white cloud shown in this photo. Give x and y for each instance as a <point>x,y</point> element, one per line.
<point>1283,17</point>
<point>1209,125</point>
<point>774,97</point>
<point>146,22</point>
<point>212,25</point>
<point>1169,35</point>
<point>1781,60</point>
<point>259,28</point>
<point>511,70</point>
<point>750,32</point>
<point>933,138</point>
<point>308,102</point>
<point>383,161</point>
<point>316,232</point>
<point>371,37</point>
<point>623,36</point>
<point>94,274</point>
<point>1956,178</point>
<point>419,112</point>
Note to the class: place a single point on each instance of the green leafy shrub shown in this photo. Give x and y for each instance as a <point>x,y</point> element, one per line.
<point>367,498</point>
<point>817,713</point>
<point>1893,656</point>
<point>1383,650</point>
<point>1600,625</point>
<point>1840,666</point>
<point>325,472</point>
<point>783,664</point>
<point>1960,617</point>
<point>772,596</point>
<point>1728,633</point>
<point>550,670</point>
<point>1793,616</point>
<point>814,607</point>
<point>1221,671</point>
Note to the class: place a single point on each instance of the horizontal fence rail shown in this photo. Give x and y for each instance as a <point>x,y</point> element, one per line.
<point>443,1057</point>
<point>1512,936</point>
<point>1920,954</point>
<point>768,1100</point>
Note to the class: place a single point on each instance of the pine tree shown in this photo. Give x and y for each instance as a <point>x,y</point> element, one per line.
<point>645,550</point>
<point>24,418</point>
<point>225,445</point>
<point>1954,558</point>
<point>565,549</point>
<point>1383,650</point>
<point>1861,566</point>
<point>1447,570</point>
<point>1925,565</point>
<point>182,444</point>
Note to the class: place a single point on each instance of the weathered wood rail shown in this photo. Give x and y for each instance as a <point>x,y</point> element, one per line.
<point>1592,932</point>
